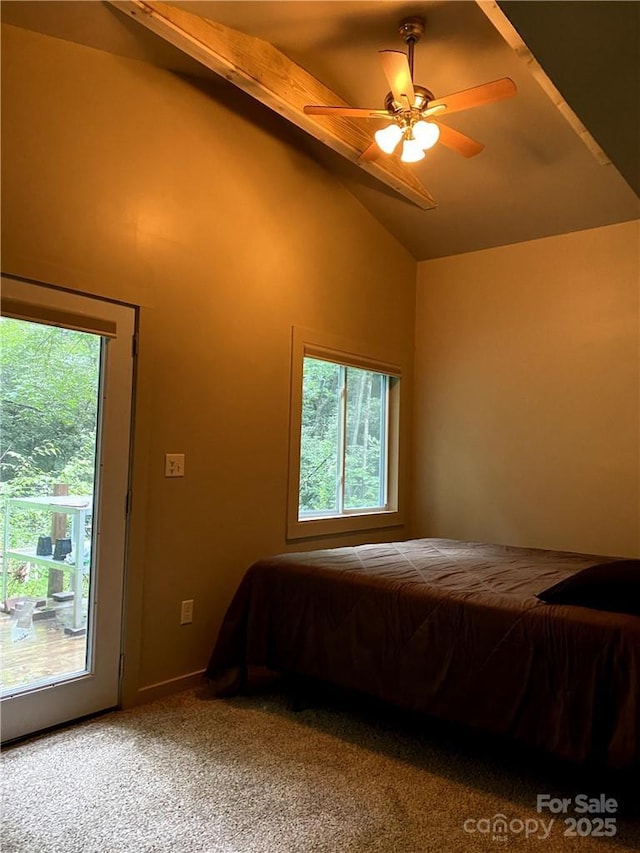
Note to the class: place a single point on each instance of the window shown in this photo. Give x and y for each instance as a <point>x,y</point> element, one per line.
<point>343,446</point>
<point>344,428</point>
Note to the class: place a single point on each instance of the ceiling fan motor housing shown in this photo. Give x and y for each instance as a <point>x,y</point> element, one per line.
<point>420,102</point>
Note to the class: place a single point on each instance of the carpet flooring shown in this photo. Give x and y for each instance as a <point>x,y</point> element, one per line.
<point>192,774</point>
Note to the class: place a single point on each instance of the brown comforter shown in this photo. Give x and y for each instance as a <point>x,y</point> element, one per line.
<point>452,629</point>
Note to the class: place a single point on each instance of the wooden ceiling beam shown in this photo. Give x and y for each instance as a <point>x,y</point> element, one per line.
<point>262,71</point>
<point>513,38</point>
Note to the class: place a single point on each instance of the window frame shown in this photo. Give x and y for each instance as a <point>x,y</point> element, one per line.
<point>307,343</point>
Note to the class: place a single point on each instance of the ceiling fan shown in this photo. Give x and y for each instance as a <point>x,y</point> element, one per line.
<point>413,109</point>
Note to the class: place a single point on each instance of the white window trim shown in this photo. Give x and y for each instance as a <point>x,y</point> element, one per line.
<point>332,348</point>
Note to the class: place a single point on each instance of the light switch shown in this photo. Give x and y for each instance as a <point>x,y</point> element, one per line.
<point>174,465</point>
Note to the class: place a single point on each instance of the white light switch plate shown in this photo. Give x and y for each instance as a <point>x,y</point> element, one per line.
<point>174,465</point>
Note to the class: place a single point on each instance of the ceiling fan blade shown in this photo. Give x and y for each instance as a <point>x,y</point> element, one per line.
<point>352,112</point>
<point>371,153</point>
<point>396,69</point>
<point>458,142</point>
<point>476,96</point>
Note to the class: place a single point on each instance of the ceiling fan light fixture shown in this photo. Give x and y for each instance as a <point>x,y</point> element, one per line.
<point>411,150</point>
<point>426,134</point>
<point>388,137</point>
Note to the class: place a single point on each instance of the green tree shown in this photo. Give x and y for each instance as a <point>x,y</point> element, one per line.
<point>48,414</point>
<point>49,378</point>
<point>319,440</point>
<point>322,436</point>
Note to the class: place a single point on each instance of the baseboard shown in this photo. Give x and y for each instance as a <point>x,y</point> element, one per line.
<point>166,688</point>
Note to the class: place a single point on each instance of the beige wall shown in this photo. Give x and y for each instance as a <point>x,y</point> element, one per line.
<point>128,182</point>
<point>527,426</point>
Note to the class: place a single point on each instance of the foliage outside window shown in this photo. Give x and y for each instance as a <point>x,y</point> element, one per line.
<point>343,455</point>
<point>48,416</point>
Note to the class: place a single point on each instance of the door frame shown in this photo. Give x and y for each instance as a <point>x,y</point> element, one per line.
<point>99,688</point>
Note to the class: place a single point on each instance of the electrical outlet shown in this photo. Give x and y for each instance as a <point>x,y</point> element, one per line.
<point>174,465</point>
<point>186,612</point>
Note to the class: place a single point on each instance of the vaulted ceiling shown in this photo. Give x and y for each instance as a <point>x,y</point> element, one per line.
<point>536,176</point>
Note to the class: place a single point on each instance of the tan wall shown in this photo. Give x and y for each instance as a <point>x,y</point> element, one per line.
<point>126,181</point>
<point>527,426</point>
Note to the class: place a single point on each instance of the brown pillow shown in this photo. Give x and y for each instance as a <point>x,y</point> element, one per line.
<point>608,586</point>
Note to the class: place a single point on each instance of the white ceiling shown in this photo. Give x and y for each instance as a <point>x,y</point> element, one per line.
<point>535,177</point>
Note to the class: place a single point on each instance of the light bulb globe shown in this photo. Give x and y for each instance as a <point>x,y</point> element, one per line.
<point>388,137</point>
<point>426,134</point>
<point>411,151</point>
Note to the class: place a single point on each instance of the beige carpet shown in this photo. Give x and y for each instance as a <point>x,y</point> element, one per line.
<point>249,775</point>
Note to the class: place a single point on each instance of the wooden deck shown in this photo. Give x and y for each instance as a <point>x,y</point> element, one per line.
<point>45,652</point>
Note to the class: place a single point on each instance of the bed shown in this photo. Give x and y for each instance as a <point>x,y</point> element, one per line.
<point>451,629</point>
